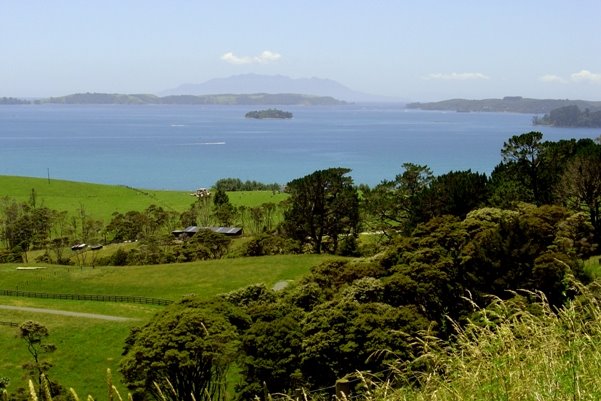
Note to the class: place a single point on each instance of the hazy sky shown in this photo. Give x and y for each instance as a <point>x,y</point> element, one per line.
<point>413,49</point>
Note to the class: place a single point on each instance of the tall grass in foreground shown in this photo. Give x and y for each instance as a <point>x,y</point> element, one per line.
<point>510,351</point>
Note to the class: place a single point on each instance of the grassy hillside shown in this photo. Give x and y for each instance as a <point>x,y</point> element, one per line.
<point>87,347</point>
<point>101,201</point>
<point>528,354</point>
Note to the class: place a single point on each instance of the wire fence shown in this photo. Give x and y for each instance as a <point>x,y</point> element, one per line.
<point>88,297</point>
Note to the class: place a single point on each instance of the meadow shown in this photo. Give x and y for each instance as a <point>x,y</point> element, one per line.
<point>87,347</point>
<point>101,201</point>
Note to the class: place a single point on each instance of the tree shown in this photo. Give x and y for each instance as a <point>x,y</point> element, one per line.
<point>34,334</point>
<point>215,244</point>
<point>581,186</point>
<point>186,350</point>
<point>323,205</point>
<point>343,336</point>
<point>523,152</point>
<point>24,226</point>
<point>397,205</point>
<point>220,198</point>
<point>455,193</point>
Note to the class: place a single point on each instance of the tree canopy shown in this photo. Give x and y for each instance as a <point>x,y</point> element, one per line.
<point>187,348</point>
<point>323,205</point>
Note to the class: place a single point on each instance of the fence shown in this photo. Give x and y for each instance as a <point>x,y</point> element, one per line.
<point>87,297</point>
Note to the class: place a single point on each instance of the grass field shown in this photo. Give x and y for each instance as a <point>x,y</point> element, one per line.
<point>101,201</point>
<point>87,347</point>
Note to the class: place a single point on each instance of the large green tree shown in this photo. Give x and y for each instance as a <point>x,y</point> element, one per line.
<point>523,152</point>
<point>396,206</point>
<point>186,350</point>
<point>323,205</point>
<point>580,185</point>
<point>455,193</point>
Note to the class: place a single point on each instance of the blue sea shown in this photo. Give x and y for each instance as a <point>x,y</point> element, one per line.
<point>186,147</point>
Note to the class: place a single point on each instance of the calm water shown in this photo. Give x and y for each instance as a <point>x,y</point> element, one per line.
<point>185,147</point>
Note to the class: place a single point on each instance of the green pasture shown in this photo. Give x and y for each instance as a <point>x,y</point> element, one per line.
<point>101,201</point>
<point>205,278</point>
<point>87,347</point>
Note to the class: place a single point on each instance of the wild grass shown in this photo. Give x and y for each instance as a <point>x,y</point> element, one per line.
<point>509,353</point>
<point>592,267</point>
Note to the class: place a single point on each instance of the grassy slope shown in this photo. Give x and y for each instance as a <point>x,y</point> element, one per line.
<point>523,356</point>
<point>101,201</point>
<point>160,281</point>
<point>87,347</point>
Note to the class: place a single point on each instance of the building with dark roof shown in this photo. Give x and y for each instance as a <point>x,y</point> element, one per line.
<point>190,231</point>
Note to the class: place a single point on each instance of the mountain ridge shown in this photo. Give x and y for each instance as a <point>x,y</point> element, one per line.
<point>257,83</point>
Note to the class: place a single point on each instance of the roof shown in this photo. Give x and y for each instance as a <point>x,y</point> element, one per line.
<point>221,230</point>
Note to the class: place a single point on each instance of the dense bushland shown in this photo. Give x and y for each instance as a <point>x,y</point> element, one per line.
<point>339,318</point>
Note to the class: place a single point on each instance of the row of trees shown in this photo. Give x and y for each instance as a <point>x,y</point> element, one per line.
<point>324,204</point>
<point>26,225</point>
<point>236,184</point>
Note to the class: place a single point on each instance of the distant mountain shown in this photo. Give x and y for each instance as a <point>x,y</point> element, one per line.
<point>227,99</point>
<point>512,104</point>
<point>255,83</point>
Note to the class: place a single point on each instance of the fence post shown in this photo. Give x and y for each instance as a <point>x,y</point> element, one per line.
<point>343,389</point>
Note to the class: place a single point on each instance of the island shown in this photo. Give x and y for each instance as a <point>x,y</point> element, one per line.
<point>570,116</point>
<point>12,101</point>
<point>269,113</point>
<point>508,104</point>
<point>219,99</point>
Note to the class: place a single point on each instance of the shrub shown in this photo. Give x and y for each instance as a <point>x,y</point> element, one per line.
<point>265,244</point>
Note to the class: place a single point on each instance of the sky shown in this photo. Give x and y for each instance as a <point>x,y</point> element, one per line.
<point>419,50</point>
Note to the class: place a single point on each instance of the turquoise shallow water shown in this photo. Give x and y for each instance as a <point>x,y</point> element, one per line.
<point>185,147</point>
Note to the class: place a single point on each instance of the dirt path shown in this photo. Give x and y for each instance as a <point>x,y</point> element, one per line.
<point>66,313</point>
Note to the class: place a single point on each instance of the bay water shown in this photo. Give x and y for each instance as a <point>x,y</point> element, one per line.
<point>185,147</point>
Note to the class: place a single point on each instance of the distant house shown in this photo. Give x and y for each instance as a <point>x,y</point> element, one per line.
<point>190,231</point>
<point>201,193</point>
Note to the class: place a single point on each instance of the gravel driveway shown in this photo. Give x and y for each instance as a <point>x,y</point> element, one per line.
<point>67,313</point>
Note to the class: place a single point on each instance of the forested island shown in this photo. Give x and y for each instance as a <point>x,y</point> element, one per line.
<point>12,100</point>
<point>510,104</point>
<point>269,113</point>
<point>570,116</point>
